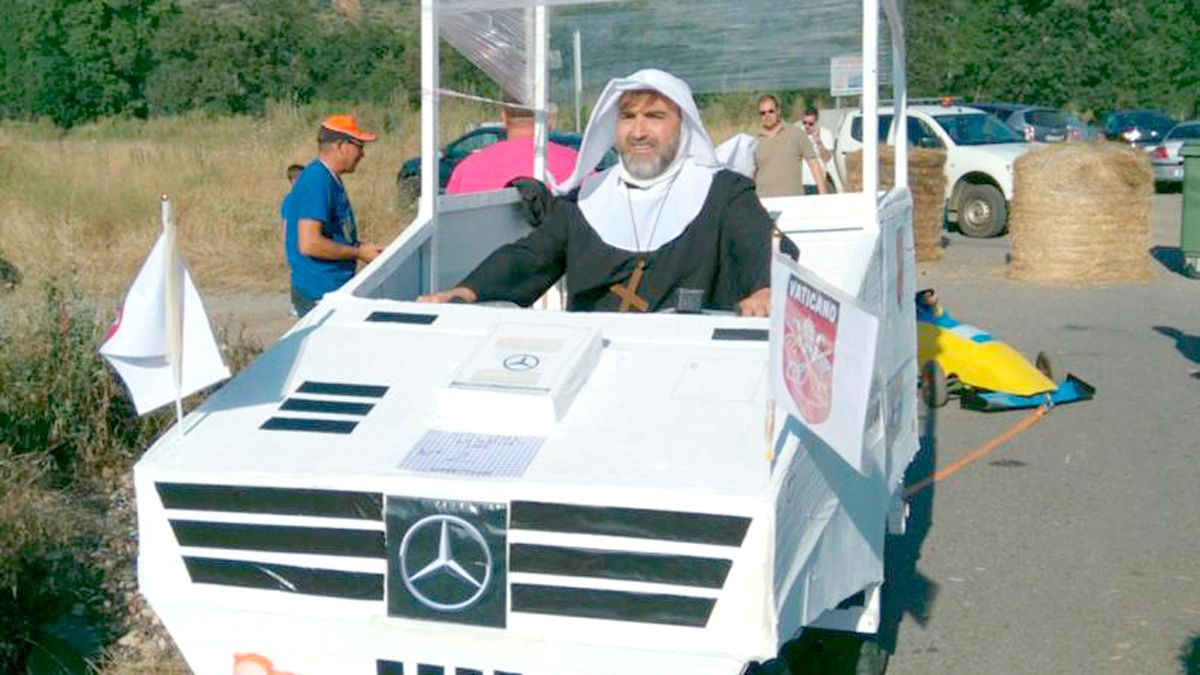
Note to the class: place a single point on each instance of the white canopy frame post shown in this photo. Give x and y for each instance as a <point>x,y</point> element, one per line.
<point>430,141</point>
<point>899,89</point>
<point>539,64</point>
<point>870,108</point>
<point>578,63</point>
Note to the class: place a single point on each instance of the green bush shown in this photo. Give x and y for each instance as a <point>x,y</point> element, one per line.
<point>46,577</point>
<point>57,397</point>
<point>68,438</point>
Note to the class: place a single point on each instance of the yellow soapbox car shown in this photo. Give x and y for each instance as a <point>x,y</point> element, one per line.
<point>986,374</point>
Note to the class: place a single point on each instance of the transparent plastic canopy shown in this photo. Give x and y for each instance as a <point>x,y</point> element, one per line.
<point>714,45</point>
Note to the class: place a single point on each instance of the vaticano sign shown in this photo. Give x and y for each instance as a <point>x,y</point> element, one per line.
<point>822,355</point>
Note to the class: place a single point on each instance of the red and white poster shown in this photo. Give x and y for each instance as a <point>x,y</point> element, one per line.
<point>822,356</point>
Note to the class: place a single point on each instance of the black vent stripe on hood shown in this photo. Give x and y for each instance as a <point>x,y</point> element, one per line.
<point>342,389</point>
<point>310,404</point>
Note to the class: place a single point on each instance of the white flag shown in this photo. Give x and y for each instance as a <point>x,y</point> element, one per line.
<point>822,356</point>
<point>163,351</point>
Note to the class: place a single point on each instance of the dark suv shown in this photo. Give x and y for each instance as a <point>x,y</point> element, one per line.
<point>1140,128</point>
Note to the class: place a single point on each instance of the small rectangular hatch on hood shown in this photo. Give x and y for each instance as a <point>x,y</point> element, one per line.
<point>521,379</point>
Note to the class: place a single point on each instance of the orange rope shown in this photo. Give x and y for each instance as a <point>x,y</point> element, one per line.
<point>978,453</point>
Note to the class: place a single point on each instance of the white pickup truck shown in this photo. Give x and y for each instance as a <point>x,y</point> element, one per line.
<point>980,151</point>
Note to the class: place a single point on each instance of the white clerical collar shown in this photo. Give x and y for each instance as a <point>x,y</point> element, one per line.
<point>643,219</point>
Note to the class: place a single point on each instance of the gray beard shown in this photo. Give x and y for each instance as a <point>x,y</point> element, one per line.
<point>651,167</point>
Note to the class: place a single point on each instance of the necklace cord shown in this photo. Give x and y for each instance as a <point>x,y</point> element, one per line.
<point>654,226</point>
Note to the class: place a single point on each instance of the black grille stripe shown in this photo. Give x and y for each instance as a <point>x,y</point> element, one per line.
<point>342,389</point>
<point>648,567</point>
<point>286,578</point>
<point>312,425</point>
<point>402,317</point>
<point>616,605</point>
<point>335,407</point>
<point>279,501</point>
<point>748,334</point>
<point>696,528</point>
<point>280,539</point>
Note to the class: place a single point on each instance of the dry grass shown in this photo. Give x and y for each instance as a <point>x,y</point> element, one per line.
<point>86,203</point>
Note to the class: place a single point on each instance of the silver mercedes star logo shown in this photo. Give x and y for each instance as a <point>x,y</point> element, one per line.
<point>456,581</point>
<point>520,362</point>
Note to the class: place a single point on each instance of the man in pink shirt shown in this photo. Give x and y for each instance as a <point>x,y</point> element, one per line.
<point>494,166</point>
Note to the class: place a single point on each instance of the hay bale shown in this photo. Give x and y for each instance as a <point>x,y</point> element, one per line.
<point>1081,214</point>
<point>926,178</point>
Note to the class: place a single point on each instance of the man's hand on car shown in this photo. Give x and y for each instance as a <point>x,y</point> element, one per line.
<point>456,294</point>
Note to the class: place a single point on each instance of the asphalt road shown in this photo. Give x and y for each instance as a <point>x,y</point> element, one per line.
<point>1075,548</point>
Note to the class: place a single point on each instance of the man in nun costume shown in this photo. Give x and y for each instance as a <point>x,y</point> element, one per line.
<point>665,228</point>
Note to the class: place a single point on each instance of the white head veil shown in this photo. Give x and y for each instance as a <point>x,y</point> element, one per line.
<point>601,132</point>
<point>652,213</point>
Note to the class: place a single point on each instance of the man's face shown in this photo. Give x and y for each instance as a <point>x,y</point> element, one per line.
<point>351,152</point>
<point>768,114</point>
<point>647,133</point>
<point>810,124</point>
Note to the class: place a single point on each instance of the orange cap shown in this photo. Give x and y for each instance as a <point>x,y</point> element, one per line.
<point>347,124</point>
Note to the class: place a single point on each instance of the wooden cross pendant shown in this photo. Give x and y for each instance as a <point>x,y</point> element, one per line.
<point>628,293</point>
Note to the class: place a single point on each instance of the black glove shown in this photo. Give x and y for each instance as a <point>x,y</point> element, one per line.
<point>535,199</point>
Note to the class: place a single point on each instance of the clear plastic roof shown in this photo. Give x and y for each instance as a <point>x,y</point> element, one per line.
<point>714,45</point>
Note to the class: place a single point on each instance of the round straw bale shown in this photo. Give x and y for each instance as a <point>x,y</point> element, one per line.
<point>1081,214</point>
<point>926,179</point>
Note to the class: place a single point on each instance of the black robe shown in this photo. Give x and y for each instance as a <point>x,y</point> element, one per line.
<point>724,253</point>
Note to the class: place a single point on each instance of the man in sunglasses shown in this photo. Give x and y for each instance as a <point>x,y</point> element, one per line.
<point>781,152</point>
<point>321,234</point>
<point>821,140</point>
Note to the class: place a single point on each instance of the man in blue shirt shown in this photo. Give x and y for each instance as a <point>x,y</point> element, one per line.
<point>321,234</point>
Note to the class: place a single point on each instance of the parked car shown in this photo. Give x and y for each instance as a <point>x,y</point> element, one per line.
<point>1039,123</point>
<point>1078,130</point>
<point>1140,128</point>
<point>980,151</point>
<point>409,178</point>
<point>1166,158</point>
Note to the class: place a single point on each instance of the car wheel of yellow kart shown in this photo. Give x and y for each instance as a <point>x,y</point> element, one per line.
<point>1050,366</point>
<point>934,386</point>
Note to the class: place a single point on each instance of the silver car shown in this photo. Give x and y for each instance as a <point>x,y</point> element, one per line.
<point>1165,157</point>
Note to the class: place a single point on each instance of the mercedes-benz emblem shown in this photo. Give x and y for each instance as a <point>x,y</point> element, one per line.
<point>521,362</point>
<point>456,579</point>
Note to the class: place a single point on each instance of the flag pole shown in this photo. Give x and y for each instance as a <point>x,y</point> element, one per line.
<point>173,298</point>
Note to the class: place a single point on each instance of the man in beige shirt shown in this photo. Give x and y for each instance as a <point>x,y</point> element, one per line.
<point>781,150</point>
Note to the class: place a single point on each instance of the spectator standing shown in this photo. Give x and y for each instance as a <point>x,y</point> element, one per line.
<point>495,166</point>
<point>293,172</point>
<point>781,150</point>
<point>322,242</point>
<point>821,140</point>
